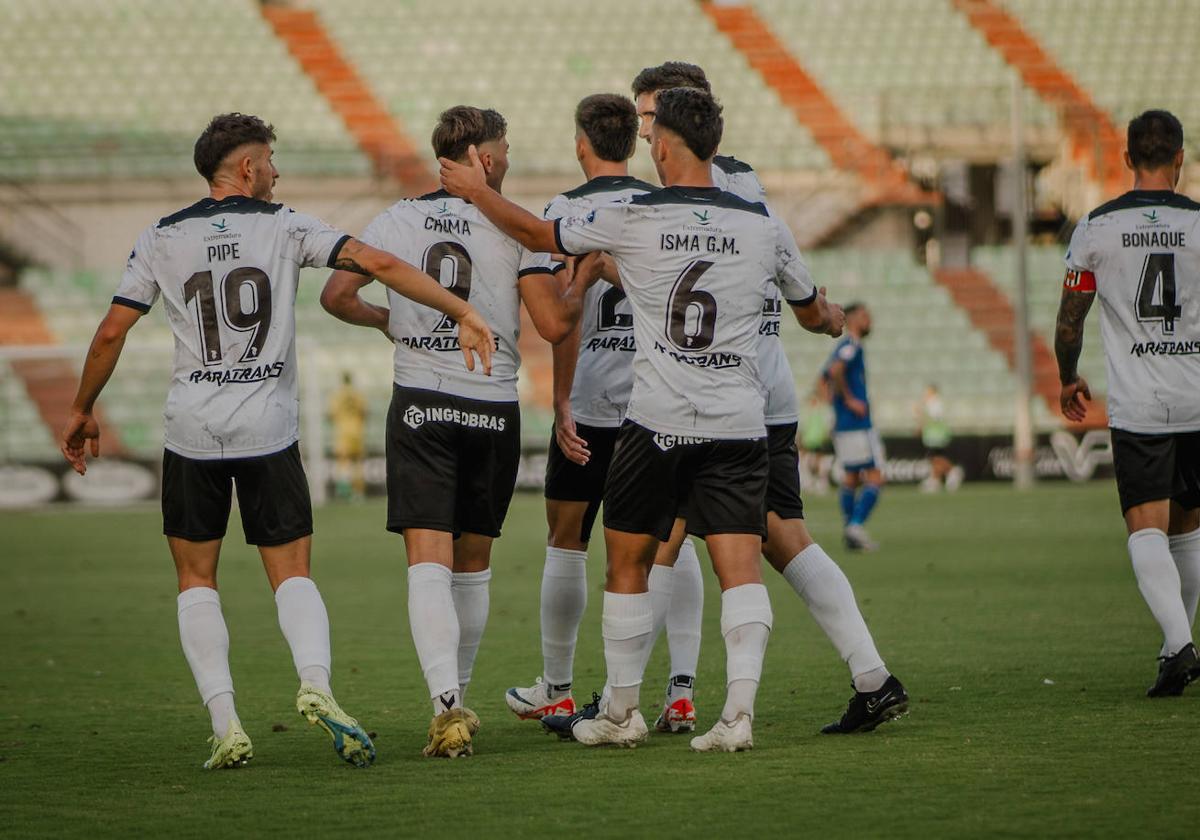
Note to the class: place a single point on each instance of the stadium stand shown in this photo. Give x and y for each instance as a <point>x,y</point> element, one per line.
<point>909,74</point>
<point>475,59</point>
<point>918,75</point>
<point>885,179</point>
<point>919,336</point>
<point>1129,57</point>
<point>128,101</point>
<point>23,435</point>
<point>1045,288</point>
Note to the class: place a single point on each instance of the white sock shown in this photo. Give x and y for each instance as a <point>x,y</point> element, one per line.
<point>1158,580</point>
<point>686,613</point>
<point>205,643</point>
<point>745,624</point>
<point>826,592</point>
<point>434,625</point>
<point>305,625</point>
<point>1185,550</point>
<point>661,583</point>
<point>222,712</point>
<point>564,598</point>
<point>627,623</point>
<point>471,599</point>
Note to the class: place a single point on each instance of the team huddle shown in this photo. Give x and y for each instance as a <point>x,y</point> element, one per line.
<point>675,411</point>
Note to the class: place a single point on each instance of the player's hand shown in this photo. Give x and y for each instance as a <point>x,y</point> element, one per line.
<point>589,268</point>
<point>475,339</point>
<point>1074,399</point>
<point>80,428</point>
<point>857,407</point>
<point>837,316</point>
<point>572,445</point>
<point>463,179</point>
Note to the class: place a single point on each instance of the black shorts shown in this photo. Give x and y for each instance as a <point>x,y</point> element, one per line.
<point>272,493</point>
<point>1154,467</point>
<point>567,481</point>
<point>723,481</point>
<point>783,475</point>
<point>451,462</point>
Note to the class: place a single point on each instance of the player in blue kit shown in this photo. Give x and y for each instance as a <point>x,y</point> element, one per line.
<point>855,439</point>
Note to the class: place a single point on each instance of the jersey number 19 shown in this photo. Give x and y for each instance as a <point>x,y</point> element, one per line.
<point>238,285</point>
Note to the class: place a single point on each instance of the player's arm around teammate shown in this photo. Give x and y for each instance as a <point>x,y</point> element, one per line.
<point>359,263</point>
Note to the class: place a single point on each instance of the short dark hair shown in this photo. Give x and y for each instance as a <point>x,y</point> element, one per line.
<point>463,126</point>
<point>1154,138</point>
<point>670,74</point>
<point>610,123</point>
<point>225,132</point>
<point>694,115</point>
<point>850,308</point>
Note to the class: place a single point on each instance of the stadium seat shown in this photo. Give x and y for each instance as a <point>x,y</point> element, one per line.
<point>1126,65</point>
<point>1045,288</point>
<point>143,79</point>
<point>583,47</point>
<point>902,70</point>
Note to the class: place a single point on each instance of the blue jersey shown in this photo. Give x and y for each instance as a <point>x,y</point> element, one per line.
<point>850,352</point>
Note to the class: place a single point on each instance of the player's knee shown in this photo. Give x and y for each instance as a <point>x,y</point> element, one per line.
<point>785,539</point>
<point>189,579</point>
<point>565,527</point>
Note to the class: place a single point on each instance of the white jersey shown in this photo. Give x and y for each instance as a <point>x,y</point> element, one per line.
<point>731,175</point>
<point>1141,254</point>
<point>227,271</point>
<point>452,241</point>
<point>604,370</point>
<point>695,263</point>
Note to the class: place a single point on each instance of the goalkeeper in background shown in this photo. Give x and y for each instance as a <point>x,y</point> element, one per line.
<point>348,413</point>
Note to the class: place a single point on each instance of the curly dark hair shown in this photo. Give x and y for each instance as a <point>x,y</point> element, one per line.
<point>694,115</point>
<point>225,132</point>
<point>611,124</point>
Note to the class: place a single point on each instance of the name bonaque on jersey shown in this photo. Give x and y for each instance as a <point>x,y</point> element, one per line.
<point>1154,239</point>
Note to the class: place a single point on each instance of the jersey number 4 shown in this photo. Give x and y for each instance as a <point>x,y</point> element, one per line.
<point>1158,275</point>
<point>240,287</point>
<point>450,264</point>
<point>691,313</point>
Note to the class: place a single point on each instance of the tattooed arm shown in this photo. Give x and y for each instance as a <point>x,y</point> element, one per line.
<point>402,278</point>
<point>1068,342</point>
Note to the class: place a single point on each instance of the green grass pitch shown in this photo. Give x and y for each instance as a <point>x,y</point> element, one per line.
<point>1013,619</point>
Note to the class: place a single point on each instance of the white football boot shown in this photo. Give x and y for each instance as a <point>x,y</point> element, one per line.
<point>536,702</point>
<point>726,736</point>
<point>603,729</point>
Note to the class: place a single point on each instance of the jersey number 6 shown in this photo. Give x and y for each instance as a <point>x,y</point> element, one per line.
<point>235,288</point>
<point>691,314</point>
